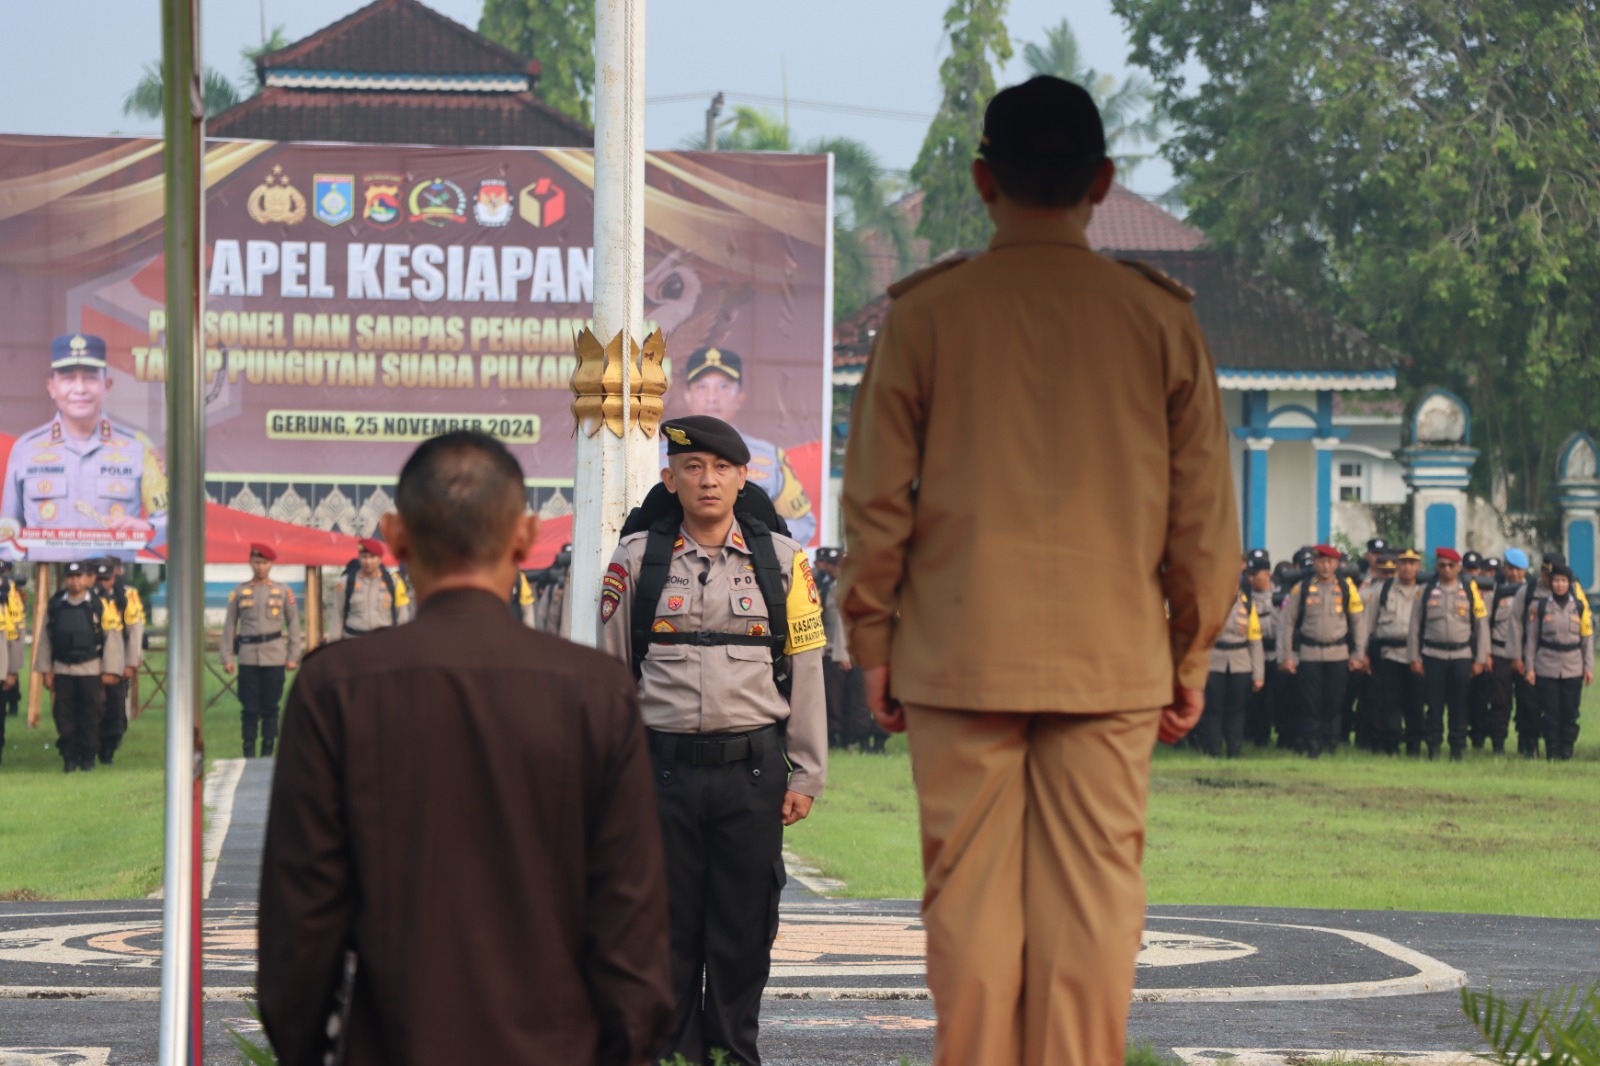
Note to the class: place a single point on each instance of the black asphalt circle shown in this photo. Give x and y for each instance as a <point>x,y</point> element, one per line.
<point>79,981</point>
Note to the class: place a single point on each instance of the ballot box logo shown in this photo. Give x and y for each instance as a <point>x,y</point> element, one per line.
<point>542,204</point>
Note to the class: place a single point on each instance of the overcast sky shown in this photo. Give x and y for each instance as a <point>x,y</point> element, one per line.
<point>67,65</point>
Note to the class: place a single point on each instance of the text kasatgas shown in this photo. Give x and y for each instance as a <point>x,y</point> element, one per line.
<point>299,270</point>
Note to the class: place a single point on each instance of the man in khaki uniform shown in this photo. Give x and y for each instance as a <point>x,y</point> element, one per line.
<point>370,598</point>
<point>1029,674</point>
<point>253,631</point>
<point>1397,692</point>
<point>1448,646</point>
<point>79,652</point>
<point>722,713</point>
<point>1322,645</point>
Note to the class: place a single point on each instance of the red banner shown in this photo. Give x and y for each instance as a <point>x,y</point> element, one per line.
<point>362,298</point>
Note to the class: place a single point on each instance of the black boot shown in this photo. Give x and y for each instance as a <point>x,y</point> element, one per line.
<point>1433,751</point>
<point>1500,746</point>
<point>266,748</point>
<point>86,763</point>
<point>250,749</point>
<point>1456,752</point>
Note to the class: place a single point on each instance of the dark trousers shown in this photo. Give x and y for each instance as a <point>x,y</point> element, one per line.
<point>1356,714</point>
<point>1446,683</point>
<point>4,694</point>
<point>260,692</point>
<point>1559,698</point>
<point>1261,710</point>
<point>723,833</point>
<point>1503,684</point>
<point>77,706</point>
<point>1288,708</point>
<point>11,700</point>
<point>1227,702</point>
<point>1480,704</point>
<point>1530,719</point>
<point>1399,703</point>
<point>114,723</point>
<point>833,695</point>
<point>1323,686</point>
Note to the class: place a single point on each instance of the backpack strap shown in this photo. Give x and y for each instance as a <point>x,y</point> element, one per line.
<point>769,577</point>
<point>1422,623</point>
<point>394,604</point>
<point>350,573</point>
<point>1350,596</point>
<point>647,586</point>
<point>1300,612</point>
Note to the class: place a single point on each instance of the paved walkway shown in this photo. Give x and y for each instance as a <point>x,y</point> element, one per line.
<point>79,982</point>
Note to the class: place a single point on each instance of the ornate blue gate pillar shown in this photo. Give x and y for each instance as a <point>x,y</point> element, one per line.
<point>1579,489</point>
<point>1438,465</point>
<point>1256,451</point>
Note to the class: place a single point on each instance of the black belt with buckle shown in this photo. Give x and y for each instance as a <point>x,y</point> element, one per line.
<point>699,749</point>
<point>1445,645</point>
<point>1325,643</point>
<point>1230,647</point>
<point>1560,647</point>
<point>261,638</point>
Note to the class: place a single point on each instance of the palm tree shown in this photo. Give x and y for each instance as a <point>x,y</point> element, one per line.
<point>1130,111</point>
<point>862,193</point>
<point>144,99</point>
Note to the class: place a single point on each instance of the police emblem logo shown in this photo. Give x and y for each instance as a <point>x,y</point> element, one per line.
<point>493,205</point>
<point>382,209</point>
<point>333,198</point>
<point>438,202</point>
<point>663,626</point>
<point>542,204</point>
<point>674,603</point>
<point>756,630</point>
<point>117,510</point>
<point>745,603</point>
<point>47,510</point>
<point>275,201</point>
<point>45,486</point>
<point>609,600</point>
<point>811,581</point>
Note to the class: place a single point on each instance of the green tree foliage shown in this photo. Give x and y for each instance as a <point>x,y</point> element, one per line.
<point>865,225</point>
<point>560,35</point>
<point>1426,169</point>
<point>1130,110</point>
<point>249,83</point>
<point>952,214</point>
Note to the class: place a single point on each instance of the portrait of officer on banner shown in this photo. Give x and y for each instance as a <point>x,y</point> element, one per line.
<point>715,378</point>
<point>82,485</point>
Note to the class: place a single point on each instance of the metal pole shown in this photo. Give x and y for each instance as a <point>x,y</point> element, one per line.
<point>711,122</point>
<point>613,473</point>
<point>183,109</point>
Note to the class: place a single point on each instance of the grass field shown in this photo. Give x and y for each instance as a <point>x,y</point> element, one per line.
<point>96,835</point>
<point>1355,831</point>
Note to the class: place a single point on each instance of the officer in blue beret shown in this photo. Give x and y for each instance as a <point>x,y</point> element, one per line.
<point>82,471</point>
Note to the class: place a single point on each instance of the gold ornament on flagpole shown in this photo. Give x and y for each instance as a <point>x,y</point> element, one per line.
<point>597,383</point>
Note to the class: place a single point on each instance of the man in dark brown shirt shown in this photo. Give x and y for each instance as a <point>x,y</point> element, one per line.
<point>465,806</point>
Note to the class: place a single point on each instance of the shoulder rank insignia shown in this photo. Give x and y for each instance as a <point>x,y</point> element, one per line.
<point>677,545</point>
<point>911,281</point>
<point>1161,278</point>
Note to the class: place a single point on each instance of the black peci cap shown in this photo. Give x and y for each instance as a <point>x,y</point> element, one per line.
<point>1046,120</point>
<point>1257,559</point>
<point>702,433</point>
<point>1377,545</point>
<point>74,569</point>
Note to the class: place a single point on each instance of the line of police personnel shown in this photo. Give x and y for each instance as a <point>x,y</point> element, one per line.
<point>1318,652</point>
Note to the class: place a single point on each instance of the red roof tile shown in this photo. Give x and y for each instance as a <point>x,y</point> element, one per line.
<point>364,116</point>
<point>398,36</point>
<point>1127,221</point>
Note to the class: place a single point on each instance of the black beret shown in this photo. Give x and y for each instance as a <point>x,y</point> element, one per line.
<point>1044,120</point>
<point>702,433</point>
<point>721,360</point>
<point>1377,544</point>
<point>73,569</point>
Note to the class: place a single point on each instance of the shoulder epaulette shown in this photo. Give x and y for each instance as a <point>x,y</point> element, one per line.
<point>911,281</point>
<point>1161,278</point>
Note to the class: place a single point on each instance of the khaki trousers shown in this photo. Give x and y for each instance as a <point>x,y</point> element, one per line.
<point>1032,836</point>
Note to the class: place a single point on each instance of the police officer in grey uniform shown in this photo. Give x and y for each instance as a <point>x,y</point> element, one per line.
<point>372,597</point>
<point>81,470</point>
<point>1322,643</point>
<point>253,631</point>
<point>1264,597</point>
<point>1396,691</point>
<point>109,587</point>
<point>1448,646</point>
<point>1506,665</point>
<point>79,652</point>
<point>735,760</point>
<point>715,379</point>
<point>1238,668</point>
<point>1559,651</point>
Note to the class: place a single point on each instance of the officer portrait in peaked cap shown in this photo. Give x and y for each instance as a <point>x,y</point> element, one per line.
<point>81,470</point>
<point>715,382</point>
